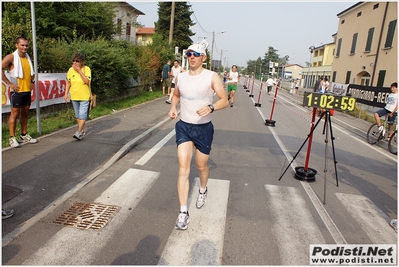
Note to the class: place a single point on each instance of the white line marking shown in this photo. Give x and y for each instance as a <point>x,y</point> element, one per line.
<point>294,226</point>
<point>71,246</point>
<point>202,242</point>
<point>371,219</point>
<point>144,159</point>
<point>328,222</point>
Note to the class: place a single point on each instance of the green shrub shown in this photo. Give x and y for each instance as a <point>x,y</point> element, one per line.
<point>112,63</point>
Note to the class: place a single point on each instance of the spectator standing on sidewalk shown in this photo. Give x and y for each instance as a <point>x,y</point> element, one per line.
<point>234,77</point>
<point>326,85</point>
<point>296,86</point>
<point>22,76</point>
<point>390,108</point>
<point>322,86</point>
<point>165,77</point>
<point>269,83</point>
<point>78,86</point>
<point>176,69</point>
<point>317,85</point>
<point>194,91</point>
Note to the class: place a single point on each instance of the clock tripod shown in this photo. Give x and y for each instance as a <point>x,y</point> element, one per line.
<point>308,174</point>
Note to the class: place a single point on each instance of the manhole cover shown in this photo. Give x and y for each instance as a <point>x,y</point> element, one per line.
<point>9,192</point>
<point>88,216</point>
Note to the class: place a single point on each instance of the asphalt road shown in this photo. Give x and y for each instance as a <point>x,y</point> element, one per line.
<point>254,214</point>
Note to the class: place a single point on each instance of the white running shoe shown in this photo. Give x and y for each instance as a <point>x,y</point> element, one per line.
<point>27,139</point>
<point>182,221</point>
<point>201,199</point>
<point>13,142</point>
<point>78,135</point>
<point>6,213</point>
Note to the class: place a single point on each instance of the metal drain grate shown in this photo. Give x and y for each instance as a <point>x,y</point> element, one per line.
<point>88,216</point>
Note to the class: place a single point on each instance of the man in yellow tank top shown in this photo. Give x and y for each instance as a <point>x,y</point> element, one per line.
<point>22,76</point>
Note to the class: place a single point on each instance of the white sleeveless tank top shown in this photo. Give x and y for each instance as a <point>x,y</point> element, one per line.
<point>195,92</point>
<point>233,77</point>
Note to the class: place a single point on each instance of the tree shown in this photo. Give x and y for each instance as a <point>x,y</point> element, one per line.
<point>182,23</point>
<point>74,19</point>
<point>149,62</point>
<point>271,55</point>
<point>251,66</point>
<point>57,20</point>
<point>16,21</point>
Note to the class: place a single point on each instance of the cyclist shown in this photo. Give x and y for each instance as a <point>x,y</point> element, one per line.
<point>390,108</point>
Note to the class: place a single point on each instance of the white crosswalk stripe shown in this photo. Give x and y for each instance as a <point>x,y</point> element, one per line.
<point>371,219</point>
<point>71,246</point>
<point>202,242</point>
<point>294,225</point>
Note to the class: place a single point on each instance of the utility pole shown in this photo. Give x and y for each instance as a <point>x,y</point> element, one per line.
<point>172,20</point>
<point>221,53</point>
<point>33,16</point>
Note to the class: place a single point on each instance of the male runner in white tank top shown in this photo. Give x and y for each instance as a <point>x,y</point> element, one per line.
<point>233,78</point>
<point>194,91</point>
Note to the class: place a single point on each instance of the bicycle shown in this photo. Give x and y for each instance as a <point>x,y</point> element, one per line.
<point>393,142</point>
<point>374,135</point>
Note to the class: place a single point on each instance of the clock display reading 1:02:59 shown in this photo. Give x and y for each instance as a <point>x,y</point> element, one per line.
<point>329,101</point>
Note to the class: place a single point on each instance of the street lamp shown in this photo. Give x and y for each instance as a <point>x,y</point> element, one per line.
<point>221,53</point>
<point>226,62</point>
<point>283,68</point>
<point>311,49</point>
<point>213,43</point>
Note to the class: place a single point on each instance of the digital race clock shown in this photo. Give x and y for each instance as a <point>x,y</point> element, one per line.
<point>329,101</point>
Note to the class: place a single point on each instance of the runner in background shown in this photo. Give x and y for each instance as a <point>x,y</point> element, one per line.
<point>233,78</point>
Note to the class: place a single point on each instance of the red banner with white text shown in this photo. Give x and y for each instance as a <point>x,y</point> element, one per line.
<point>51,91</point>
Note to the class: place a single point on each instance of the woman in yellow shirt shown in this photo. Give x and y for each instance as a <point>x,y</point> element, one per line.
<point>78,86</point>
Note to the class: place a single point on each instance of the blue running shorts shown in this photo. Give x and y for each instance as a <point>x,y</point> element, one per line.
<point>200,134</point>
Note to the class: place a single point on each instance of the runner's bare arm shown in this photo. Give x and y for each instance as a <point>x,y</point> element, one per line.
<point>217,86</point>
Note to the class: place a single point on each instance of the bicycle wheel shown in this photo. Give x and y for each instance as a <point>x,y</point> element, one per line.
<point>393,143</point>
<point>373,135</point>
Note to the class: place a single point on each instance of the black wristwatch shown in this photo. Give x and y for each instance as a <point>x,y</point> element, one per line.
<point>211,107</point>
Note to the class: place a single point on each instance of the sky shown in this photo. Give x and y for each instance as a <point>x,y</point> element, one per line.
<point>252,26</point>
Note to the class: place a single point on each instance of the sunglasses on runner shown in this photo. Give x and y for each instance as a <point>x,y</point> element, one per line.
<point>196,54</point>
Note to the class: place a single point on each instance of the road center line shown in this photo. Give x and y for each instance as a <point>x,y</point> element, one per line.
<point>147,156</point>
